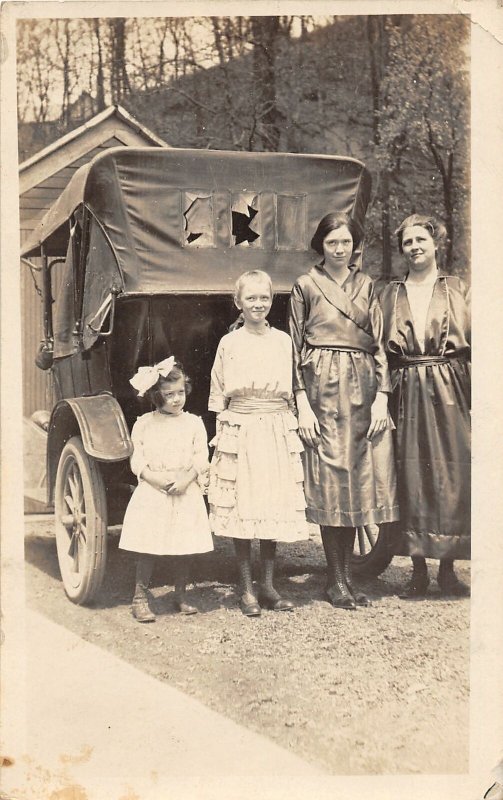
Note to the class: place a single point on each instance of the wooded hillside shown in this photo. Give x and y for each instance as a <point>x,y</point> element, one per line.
<point>392,91</point>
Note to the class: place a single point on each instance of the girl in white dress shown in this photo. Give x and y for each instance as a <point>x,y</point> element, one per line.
<point>166,514</point>
<point>256,476</point>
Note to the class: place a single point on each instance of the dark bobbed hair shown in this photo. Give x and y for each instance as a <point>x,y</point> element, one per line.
<point>432,224</point>
<point>154,393</point>
<point>331,222</point>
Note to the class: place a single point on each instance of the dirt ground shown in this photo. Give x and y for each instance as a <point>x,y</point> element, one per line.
<point>374,691</point>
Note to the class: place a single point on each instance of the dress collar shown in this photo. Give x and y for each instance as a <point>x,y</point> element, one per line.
<point>440,274</point>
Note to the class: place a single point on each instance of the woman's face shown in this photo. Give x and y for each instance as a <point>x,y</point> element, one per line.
<point>338,247</point>
<point>419,248</point>
<point>254,300</point>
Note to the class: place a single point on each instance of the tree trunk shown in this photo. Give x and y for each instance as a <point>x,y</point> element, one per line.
<point>378,55</point>
<point>118,71</point>
<point>100,76</point>
<point>269,118</point>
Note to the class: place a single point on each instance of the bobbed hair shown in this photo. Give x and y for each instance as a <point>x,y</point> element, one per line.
<point>154,393</point>
<point>332,221</point>
<point>430,223</point>
<point>252,274</point>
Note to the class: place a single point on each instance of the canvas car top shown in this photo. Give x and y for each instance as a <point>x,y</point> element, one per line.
<point>193,220</point>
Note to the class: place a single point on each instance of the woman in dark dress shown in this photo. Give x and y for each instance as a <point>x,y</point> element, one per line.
<point>427,339</point>
<point>341,384</point>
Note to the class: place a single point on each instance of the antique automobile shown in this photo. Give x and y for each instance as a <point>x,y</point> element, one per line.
<point>139,256</point>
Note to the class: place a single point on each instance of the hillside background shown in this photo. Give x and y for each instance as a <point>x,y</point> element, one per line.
<point>393,91</point>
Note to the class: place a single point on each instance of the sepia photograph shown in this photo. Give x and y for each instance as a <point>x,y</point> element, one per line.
<point>240,255</point>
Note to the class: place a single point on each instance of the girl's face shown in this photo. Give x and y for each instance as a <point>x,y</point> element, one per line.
<point>254,301</point>
<point>338,247</point>
<point>419,248</point>
<point>173,395</point>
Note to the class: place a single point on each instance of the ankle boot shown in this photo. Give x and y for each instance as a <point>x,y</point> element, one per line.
<point>419,581</point>
<point>268,596</point>
<point>248,601</point>
<point>349,542</point>
<point>337,591</point>
<point>448,581</point>
<point>140,607</point>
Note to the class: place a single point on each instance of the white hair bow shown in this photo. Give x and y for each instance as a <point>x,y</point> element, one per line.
<point>146,377</point>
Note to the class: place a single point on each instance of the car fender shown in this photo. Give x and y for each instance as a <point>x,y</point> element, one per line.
<point>99,421</point>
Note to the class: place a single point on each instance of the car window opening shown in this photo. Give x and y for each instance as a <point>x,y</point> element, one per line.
<point>245,219</point>
<point>198,219</point>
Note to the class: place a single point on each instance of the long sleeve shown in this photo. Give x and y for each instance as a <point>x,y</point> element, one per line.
<point>381,361</point>
<point>138,459</point>
<point>296,323</point>
<point>200,460</point>
<point>217,400</point>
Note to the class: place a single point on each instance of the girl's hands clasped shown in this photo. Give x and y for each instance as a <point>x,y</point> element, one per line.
<point>183,478</point>
<point>378,415</point>
<point>169,482</point>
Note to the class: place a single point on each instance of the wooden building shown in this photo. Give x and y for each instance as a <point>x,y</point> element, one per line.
<point>42,178</point>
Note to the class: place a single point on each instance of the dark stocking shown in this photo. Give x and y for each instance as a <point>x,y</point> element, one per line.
<point>448,581</point>
<point>269,597</point>
<point>182,572</point>
<point>337,590</point>
<point>248,602</point>
<point>348,535</point>
<point>140,607</point>
<point>419,580</point>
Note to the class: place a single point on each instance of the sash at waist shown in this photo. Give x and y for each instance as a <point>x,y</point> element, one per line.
<point>257,405</point>
<point>397,361</point>
<point>344,347</point>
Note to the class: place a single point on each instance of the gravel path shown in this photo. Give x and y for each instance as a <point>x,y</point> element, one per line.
<point>377,691</point>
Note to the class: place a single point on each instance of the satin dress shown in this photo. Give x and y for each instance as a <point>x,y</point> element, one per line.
<point>431,409</point>
<point>339,360</point>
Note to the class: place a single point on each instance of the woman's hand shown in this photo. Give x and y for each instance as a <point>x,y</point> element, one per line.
<point>378,415</point>
<point>309,427</point>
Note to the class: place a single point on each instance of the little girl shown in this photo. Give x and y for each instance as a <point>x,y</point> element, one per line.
<point>256,489</point>
<point>166,514</point>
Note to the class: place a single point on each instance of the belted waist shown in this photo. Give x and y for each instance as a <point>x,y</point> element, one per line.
<point>257,405</point>
<point>344,347</point>
<point>397,361</point>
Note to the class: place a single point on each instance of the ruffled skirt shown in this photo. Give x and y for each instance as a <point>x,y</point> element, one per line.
<point>256,477</point>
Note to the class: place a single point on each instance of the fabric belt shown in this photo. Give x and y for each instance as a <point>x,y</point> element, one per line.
<point>257,405</point>
<point>336,347</point>
<point>397,361</point>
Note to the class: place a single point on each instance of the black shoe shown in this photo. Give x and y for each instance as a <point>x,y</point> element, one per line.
<point>141,610</point>
<point>185,608</point>
<point>417,588</point>
<point>273,601</point>
<point>340,599</point>
<point>360,598</point>
<point>451,585</point>
<point>249,606</point>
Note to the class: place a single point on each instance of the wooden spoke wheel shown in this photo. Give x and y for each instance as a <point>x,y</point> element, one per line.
<point>81,522</point>
<point>371,555</point>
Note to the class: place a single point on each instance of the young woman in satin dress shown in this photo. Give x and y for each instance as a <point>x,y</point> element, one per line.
<point>341,385</point>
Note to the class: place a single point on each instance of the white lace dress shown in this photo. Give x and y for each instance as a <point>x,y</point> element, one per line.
<point>156,522</point>
<point>256,475</point>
